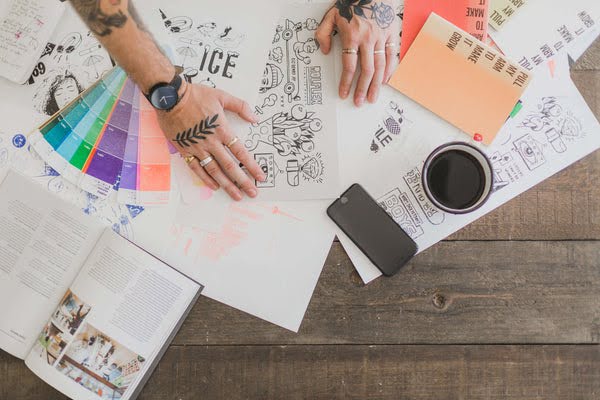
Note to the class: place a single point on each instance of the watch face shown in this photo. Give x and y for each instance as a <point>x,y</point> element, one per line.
<point>164,97</point>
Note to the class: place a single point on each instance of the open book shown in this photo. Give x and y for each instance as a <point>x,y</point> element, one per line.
<point>89,312</point>
<point>25,27</point>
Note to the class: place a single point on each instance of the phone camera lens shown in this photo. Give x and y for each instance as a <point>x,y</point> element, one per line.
<point>344,200</point>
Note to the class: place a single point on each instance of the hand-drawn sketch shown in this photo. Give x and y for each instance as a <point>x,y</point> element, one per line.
<point>56,91</point>
<point>295,143</point>
<point>176,24</point>
<point>390,128</point>
<point>67,45</point>
<point>72,61</point>
<point>399,206</point>
<point>272,78</point>
<point>208,51</point>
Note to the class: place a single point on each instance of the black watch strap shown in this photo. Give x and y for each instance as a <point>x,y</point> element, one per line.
<point>175,83</point>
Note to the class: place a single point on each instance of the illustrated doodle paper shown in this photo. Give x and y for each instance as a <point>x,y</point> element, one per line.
<point>295,142</point>
<point>223,49</point>
<point>540,31</point>
<point>275,248</point>
<point>216,43</point>
<point>553,129</point>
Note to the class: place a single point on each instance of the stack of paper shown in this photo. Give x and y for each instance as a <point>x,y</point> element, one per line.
<point>264,257</point>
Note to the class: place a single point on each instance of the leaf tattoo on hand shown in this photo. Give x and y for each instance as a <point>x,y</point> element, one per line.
<point>199,132</point>
<point>382,13</point>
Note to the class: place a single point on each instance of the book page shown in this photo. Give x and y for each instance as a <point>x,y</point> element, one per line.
<point>43,243</point>
<point>25,26</point>
<point>105,337</point>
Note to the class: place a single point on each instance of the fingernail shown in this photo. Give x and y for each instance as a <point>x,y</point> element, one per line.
<point>252,193</point>
<point>360,101</point>
<point>263,178</point>
<point>255,118</point>
<point>237,196</point>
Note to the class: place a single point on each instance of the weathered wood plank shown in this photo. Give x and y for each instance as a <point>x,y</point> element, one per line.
<point>591,59</point>
<point>353,372</point>
<point>456,292</point>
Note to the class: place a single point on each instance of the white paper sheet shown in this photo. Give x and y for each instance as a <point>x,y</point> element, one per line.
<point>295,142</point>
<point>554,129</point>
<point>261,258</point>
<point>276,249</point>
<point>541,30</point>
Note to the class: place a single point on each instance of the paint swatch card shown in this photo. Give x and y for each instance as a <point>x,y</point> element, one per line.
<point>459,78</point>
<point>469,15</point>
<point>539,32</point>
<point>108,139</point>
<point>503,10</point>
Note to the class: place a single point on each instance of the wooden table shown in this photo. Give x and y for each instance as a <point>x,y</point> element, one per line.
<point>508,308</point>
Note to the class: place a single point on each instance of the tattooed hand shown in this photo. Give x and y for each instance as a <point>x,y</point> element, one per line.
<point>370,32</point>
<point>197,126</point>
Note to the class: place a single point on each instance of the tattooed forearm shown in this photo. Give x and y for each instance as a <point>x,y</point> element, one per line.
<point>102,22</point>
<point>382,13</point>
<point>198,132</point>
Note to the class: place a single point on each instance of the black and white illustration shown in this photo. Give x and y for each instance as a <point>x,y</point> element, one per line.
<point>72,61</point>
<point>399,206</point>
<point>295,142</point>
<point>389,130</point>
<point>208,51</point>
<point>546,128</point>
<point>219,49</point>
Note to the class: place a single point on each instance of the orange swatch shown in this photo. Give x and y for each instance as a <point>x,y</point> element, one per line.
<point>461,79</point>
<point>469,15</point>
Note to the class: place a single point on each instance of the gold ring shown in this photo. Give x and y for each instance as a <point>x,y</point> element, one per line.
<point>232,142</point>
<point>189,159</point>
<point>206,161</point>
<point>377,52</point>
<point>349,51</point>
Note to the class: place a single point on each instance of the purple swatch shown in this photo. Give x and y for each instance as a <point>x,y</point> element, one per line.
<point>105,167</point>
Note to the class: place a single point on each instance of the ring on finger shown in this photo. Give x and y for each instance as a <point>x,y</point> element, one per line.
<point>232,142</point>
<point>204,162</point>
<point>349,51</point>
<point>393,45</point>
<point>189,159</point>
<point>379,52</point>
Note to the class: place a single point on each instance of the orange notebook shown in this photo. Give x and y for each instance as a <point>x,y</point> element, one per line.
<point>469,15</point>
<point>461,79</point>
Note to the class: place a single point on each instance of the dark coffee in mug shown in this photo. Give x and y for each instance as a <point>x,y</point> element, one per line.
<point>457,178</point>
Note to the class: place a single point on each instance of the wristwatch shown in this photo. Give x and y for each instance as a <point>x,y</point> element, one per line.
<point>165,96</point>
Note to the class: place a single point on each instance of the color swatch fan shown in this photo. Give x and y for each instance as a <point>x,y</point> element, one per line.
<point>107,140</point>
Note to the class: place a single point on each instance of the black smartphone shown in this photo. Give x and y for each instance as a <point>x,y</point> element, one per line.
<point>371,229</point>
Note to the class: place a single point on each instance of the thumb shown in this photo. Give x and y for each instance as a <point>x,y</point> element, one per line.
<point>323,34</point>
<point>238,106</point>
